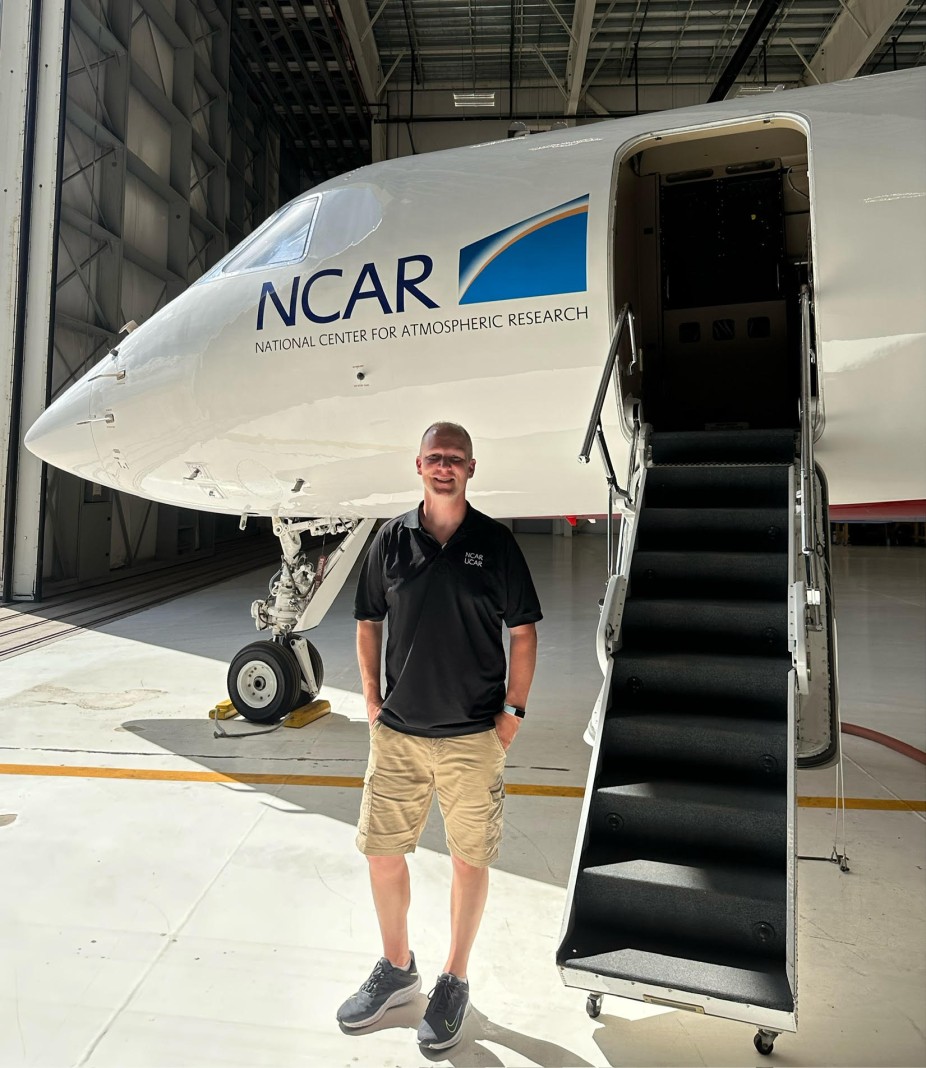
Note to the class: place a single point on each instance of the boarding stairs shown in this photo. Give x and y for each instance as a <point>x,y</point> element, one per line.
<point>683,886</point>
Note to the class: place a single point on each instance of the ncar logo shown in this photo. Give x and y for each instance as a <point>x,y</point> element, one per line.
<point>322,299</point>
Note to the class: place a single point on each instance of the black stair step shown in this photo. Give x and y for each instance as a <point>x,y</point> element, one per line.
<point>732,977</point>
<point>754,750</point>
<point>742,529</point>
<point>720,575</point>
<point>723,446</point>
<point>693,819</point>
<point>729,907</point>
<point>720,684</point>
<point>757,627</point>
<point>717,486</point>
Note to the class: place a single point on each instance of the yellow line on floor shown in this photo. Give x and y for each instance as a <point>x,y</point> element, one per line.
<point>164,775</point>
<point>884,804</point>
<point>544,791</point>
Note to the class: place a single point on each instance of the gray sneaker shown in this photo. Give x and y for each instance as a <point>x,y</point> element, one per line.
<point>386,987</point>
<point>442,1025</point>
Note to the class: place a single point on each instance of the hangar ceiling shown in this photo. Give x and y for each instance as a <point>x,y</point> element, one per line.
<point>300,57</point>
<point>332,70</point>
<point>460,44</point>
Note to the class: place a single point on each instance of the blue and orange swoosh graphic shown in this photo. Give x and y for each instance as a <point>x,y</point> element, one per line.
<point>539,256</point>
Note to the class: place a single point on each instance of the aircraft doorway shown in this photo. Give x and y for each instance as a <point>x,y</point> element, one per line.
<point>712,241</point>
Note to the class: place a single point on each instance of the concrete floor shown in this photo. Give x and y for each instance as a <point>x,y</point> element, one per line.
<point>149,918</point>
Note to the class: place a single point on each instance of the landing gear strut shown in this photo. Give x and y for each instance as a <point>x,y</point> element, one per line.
<point>268,679</point>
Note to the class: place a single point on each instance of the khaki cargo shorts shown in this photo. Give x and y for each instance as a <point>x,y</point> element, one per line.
<point>404,772</point>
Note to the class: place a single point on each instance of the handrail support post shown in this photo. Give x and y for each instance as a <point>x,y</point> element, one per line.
<point>808,467</point>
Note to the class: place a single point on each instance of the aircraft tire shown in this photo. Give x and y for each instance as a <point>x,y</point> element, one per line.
<point>264,682</point>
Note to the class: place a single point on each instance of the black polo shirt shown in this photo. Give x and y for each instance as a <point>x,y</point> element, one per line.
<point>445,661</point>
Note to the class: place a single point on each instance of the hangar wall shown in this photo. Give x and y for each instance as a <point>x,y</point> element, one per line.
<point>167,156</point>
<point>32,60</point>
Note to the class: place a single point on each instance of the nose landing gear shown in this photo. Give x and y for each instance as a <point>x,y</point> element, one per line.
<point>268,679</point>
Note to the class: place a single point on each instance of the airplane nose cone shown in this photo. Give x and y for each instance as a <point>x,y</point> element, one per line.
<point>63,436</point>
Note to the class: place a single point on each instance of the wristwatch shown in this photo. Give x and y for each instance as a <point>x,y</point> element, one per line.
<point>513,710</point>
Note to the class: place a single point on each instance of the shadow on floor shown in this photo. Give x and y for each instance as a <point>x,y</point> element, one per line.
<point>470,1052</point>
<point>276,769</point>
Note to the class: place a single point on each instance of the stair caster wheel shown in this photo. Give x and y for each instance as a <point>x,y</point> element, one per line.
<point>593,1005</point>
<point>765,1042</point>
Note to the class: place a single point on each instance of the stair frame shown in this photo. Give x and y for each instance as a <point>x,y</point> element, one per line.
<point>608,642</point>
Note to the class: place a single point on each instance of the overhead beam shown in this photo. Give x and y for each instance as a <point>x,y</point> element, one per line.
<point>582,19</point>
<point>351,135</point>
<point>357,23</point>
<point>389,73</point>
<point>858,30</point>
<point>334,32</point>
<point>746,47</point>
<point>595,104</point>
<point>309,81</point>
<point>543,59</point>
<point>560,19</point>
<point>591,101</point>
<point>328,165</point>
<point>663,47</point>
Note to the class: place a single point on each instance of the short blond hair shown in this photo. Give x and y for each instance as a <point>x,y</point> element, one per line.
<point>451,428</point>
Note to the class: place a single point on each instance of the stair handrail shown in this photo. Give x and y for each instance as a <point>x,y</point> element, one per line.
<point>808,468</point>
<point>625,318</point>
<point>595,432</point>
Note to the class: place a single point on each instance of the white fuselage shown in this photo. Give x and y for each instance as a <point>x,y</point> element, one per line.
<point>302,388</point>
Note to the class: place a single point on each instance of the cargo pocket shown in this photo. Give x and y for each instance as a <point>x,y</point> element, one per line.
<point>496,821</point>
<point>366,804</point>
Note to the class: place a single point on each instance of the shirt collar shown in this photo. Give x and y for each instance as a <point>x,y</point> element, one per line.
<point>412,519</point>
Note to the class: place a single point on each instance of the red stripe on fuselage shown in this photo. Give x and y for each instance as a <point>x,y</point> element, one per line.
<point>883,511</point>
<point>880,511</point>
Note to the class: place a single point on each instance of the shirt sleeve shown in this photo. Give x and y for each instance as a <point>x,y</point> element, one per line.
<point>370,598</point>
<point>522,602</point>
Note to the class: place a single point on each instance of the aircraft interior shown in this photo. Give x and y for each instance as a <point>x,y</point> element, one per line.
<point>713,244</point>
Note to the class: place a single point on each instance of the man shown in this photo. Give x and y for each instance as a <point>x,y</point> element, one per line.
<point>446,577</point>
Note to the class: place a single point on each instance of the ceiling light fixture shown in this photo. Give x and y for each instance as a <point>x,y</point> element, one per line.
<point>474,100</point>
<point>758,90</point>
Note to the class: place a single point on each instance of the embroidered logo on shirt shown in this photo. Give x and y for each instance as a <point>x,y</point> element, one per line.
<point>474,559</point>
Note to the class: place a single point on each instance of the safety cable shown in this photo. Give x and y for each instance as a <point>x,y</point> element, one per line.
<point>220,732</point>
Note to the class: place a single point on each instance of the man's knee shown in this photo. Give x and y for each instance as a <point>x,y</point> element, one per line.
<point>465,869</point>
<point>387,866</point>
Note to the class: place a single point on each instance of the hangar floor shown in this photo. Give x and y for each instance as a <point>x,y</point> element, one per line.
<point>171,899</point>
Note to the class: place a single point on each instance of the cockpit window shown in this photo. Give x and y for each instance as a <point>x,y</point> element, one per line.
<point>282,239</point>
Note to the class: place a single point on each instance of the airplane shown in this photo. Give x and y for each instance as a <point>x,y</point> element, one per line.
<point>486,281</point>
<point>723,271</point>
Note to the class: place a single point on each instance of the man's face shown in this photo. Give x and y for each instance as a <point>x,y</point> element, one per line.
<point>444,464</point>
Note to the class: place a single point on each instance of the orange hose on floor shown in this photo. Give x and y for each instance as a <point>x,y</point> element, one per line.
<point>885,739</point>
